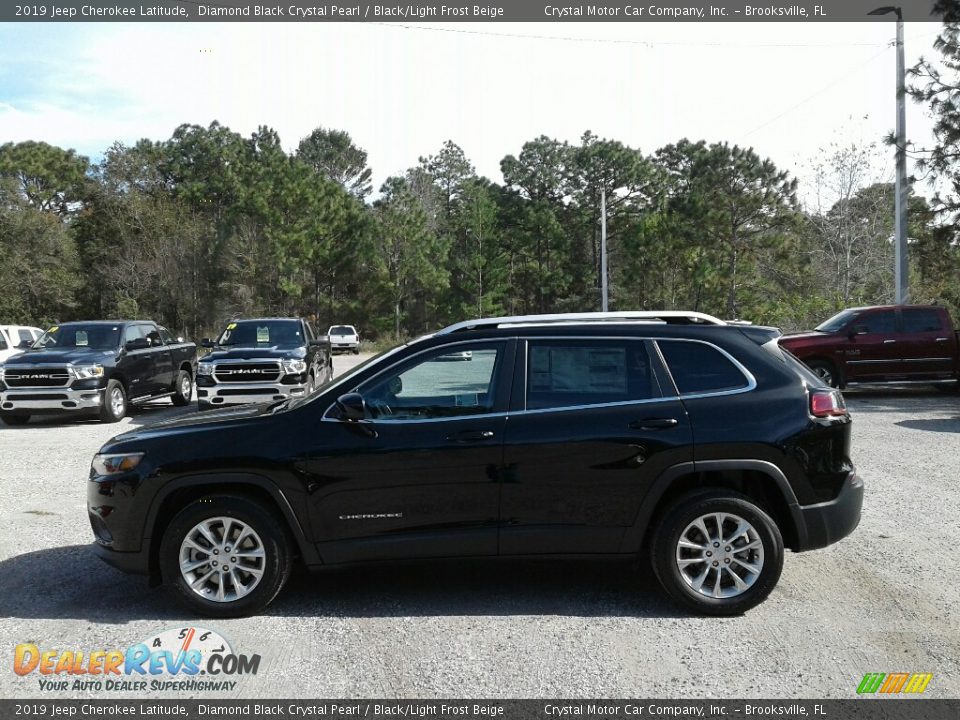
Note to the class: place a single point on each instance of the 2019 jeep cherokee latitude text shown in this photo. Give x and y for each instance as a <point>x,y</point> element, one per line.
<point>668,434</point>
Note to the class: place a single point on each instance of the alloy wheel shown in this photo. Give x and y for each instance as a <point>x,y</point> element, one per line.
<point>720,555</point>
<point>222,559</point>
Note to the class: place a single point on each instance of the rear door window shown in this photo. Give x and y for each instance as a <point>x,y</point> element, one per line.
<point>697,368</point>
<point>573,373</point>
<point>921,321</point>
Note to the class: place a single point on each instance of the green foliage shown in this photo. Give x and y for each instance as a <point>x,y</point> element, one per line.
<point>49,178</point>
<point>209,225</point>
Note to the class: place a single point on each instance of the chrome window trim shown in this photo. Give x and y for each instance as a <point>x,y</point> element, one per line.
<point>748,376</point>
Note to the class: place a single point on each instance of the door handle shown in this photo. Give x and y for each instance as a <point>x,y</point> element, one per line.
<point>654,424</point>
<point>471,436</point>
<point>889,342</point>
<point>941,339</point>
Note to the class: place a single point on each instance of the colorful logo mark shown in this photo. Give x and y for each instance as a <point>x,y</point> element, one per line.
<point>892,683</point>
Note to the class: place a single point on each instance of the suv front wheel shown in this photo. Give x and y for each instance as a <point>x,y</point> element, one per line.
<point>225,556</point>
<point>717,552</point>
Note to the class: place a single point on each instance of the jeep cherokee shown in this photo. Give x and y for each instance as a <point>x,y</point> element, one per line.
<point>673,435</point>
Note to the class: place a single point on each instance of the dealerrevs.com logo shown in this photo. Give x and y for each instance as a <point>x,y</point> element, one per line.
<point>189,659</point>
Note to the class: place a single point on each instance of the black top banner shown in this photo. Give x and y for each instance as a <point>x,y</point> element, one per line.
<point>427,11</point>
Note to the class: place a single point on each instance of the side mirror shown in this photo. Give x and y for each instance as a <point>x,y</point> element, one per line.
<point>318,343</point>
<point>137,344</point>
<point>858,329</point>
<point>180,339</point>
<point>352,407</point>
<point>207,343</point>
<point>25,344</point>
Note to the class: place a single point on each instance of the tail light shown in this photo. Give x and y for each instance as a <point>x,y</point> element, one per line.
<point>827,403</point>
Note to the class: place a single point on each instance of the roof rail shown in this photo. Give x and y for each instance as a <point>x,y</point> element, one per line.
<point>671,317</point>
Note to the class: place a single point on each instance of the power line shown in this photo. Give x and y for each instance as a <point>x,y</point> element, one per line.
<point>822,90</point>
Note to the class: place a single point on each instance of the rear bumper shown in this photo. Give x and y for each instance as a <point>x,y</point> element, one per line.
<point>49,400</point>
<point>827,522</point>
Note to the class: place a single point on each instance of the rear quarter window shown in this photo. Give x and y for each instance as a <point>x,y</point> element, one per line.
<point>700,368</point>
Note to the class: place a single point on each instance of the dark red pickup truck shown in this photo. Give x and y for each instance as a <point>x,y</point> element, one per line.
<point>887,343</point>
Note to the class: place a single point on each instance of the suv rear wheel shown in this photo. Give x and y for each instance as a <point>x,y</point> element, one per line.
<point>717,552</point>
<point>225,556</point>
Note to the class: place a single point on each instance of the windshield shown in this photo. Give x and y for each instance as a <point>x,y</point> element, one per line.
<point>80,335</point>
<point>342,330</point>
<point>264,333</point>
<point>837,321</point>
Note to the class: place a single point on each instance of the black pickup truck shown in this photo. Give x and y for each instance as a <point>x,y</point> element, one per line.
<point>96,368</point>
<point>261,360</point>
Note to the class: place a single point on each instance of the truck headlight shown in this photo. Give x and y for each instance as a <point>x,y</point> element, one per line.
<point>294,367</point>
<point>205,369</point>
<point>115,464</point>
<point>85,372</point>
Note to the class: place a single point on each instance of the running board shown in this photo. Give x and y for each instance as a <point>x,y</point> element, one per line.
<point>148,398</point>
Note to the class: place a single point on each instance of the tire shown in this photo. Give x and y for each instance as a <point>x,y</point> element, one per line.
<point>826,371</point>
<point>356,350</point>
<point>203,406</point>
<point>114,406</point>
<point>679,522</point>
<point>268,536</point>
<point>14,420</point>
<point>183,389</point>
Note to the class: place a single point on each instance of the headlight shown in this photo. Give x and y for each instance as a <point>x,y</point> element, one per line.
<point>115,464</point>
<point>294,367</point>
<point>205,369</point>
<point>85,372</point>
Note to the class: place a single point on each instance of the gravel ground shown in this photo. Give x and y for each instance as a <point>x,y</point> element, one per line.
<point>883,600</point>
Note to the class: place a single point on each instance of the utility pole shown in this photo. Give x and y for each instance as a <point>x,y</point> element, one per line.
<point>901,266</point>
<point>603,249</point>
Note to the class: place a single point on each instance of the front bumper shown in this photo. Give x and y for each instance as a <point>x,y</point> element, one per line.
<point>241,393</point>
<point>49,400</point>
<point>827,522</point>
<point>136,563</point>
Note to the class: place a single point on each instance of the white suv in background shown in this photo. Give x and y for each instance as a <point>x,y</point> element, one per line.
<point>344,337</point>
<point>13,336</point>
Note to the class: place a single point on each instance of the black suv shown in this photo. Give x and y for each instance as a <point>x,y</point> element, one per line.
<point>602,435</point>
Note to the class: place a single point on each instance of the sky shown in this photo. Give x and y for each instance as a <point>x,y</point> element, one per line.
<point>789,90</point>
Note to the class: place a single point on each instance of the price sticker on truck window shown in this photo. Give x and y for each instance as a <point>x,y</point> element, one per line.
<point>53,329</point>
<point>232,326</point>
<point>263,334</point>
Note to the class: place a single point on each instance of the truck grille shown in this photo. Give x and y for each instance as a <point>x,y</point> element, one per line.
<point>36,377</point>
<point>247,372</point>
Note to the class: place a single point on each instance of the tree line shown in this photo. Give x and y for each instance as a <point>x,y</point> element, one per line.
<point>208,225</point>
